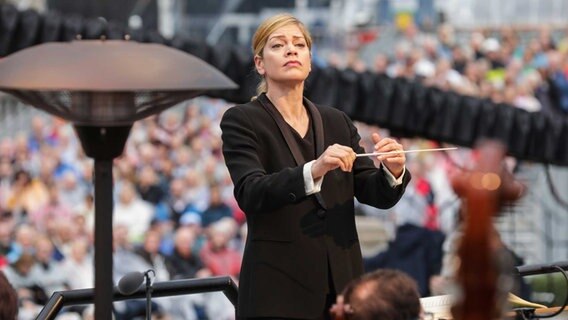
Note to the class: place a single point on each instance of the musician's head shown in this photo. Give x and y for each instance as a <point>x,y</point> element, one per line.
<point>383,294</point>
<point>282,51</point>
<point>8,299</point>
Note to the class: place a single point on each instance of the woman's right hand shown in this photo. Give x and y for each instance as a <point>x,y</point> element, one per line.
<point>335,156</point>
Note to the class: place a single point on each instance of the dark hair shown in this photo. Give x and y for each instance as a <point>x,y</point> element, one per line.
<point>383,294</point>
<point>5,214</point>
<point>22,173</point>
<point>8,299</point>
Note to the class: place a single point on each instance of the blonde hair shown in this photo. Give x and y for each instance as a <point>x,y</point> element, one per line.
<point>266,28</point>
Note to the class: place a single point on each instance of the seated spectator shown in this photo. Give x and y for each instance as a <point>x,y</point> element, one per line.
<point>148,187</point>
<point>25,238</point>
<point>192,220</point>
<point>25,276</point>
<point>133,212</point>
<point>197,192</point>
<point>86,210</point>
<point>383,294</point>
<point>49,270</point>
<point>71,191</point>
<point>217,209</point>
<point>6,173</point>
<point>558,81</point>
<point>27,194</point>
<point>63,235</point>
<point>177,201</point>
<point>217,255</point>
<point>151,256</point>
<point>47,216</point>
<point>8,250</point>
<point>78,266</point>
<point>184,263</point>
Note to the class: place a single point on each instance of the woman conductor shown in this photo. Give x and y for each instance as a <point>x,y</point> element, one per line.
<point>295,173</point>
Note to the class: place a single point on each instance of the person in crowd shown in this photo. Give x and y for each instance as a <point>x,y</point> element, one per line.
<point>71,190</point>
<point>134,212</point>
<point>184,263</point>
<point>197,191</point>
<point>25,276</point>
<point>384,294</point>
<point>52,279</point>
<point>27,194</point>
<point>25,237</point>
<point>6,173</point>
<point>296,173</point>
<point>148,187</point>
<point>85,210</point>
<point>217,208</point>
<point>177,203</point>
<point>78,266</point>
<point>9,251</point>
<point>46,217</point>
<point>217,254</point>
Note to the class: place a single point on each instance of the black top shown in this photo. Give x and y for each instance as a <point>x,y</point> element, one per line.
<point>306,144</point>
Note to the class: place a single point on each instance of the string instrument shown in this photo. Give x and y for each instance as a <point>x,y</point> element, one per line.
<point>483,191</point>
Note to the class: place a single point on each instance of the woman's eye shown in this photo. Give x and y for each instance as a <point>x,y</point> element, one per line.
<point>301,45</point>
<point>277,45</point>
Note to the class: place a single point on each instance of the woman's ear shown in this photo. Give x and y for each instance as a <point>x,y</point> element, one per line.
<point>259,64</point>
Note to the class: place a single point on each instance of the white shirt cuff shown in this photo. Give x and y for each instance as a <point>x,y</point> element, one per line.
<point>393,182</point>
<point>310,185</point>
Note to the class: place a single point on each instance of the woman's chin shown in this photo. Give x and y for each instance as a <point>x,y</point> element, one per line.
<point>291,80</point>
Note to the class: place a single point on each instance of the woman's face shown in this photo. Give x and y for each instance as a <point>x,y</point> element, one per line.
<point>286,56</point>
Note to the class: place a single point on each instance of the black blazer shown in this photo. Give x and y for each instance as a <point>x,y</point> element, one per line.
<point>292,236</point>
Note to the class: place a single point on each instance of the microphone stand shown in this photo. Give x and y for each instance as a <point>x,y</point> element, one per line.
<point>149,289</point>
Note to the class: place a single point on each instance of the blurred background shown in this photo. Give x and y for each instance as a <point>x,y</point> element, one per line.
<point>174,207</point>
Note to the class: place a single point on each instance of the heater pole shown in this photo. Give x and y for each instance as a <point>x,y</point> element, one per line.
<point>103,239</point>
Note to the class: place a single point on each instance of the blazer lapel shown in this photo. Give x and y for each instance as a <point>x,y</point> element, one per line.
<point>292,145</point>
<point>318,132</point>
<point>284,130</point>
<point>318,126</point>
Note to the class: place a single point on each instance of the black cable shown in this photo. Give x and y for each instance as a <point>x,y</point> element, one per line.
<point>559,311</point>
<point>553,189</point>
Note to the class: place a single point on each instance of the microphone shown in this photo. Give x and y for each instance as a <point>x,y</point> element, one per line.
<point>131,282</point>
<point>542,268</point>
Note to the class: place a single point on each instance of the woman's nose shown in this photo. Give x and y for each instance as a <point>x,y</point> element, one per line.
<point>291,50</point>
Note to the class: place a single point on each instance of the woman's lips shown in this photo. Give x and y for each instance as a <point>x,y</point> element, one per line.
<point>292,63</point>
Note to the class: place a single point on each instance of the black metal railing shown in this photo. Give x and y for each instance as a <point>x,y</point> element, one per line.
<point>60,299</point>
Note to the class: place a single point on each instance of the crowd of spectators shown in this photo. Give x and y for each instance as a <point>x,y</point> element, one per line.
<point>524,68</point>
<point>174,208</point>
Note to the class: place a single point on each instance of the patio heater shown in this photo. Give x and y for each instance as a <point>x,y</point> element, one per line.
<point>102,87</point>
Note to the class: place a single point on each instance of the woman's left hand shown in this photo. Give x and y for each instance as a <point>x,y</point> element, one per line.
<point>395,161</point>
